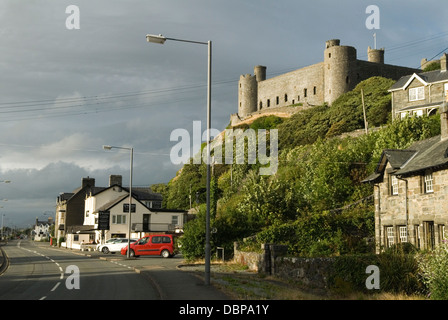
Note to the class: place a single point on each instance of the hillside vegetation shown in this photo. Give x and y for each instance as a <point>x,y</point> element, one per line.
<point>315,203</point>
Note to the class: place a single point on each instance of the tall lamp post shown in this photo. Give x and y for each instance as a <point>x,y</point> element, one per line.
<point>3,215</point>
<point>130,192</point>
<point>161,40</point>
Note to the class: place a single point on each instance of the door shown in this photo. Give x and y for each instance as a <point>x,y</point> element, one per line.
<point>146,222</point>
<point>140,246</point>
<point>428,229</point>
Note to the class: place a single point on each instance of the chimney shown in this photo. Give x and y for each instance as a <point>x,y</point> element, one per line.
<point>115,180</point>
<point>444,121</point>
<point>88,182</point>
<point>443,63</point>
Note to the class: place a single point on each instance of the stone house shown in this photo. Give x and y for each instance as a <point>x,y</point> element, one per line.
<point>420,93</point>
<point>411,192</point>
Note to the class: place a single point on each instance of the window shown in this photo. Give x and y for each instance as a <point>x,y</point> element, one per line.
<point>277,101</point>
<point>314,90</point>
<point>304,92</point>
<point>175,220</point>
<point>286,97</point>
<point>393,185</point>
<point>417,94</point>
<point>403,232</point>
<point>390,237</point>
<point>126,207</point>
<point>119,219</point>
<point>429,183</point>
<point>417,113</point>
<point>156,240</point>
<point>269,103</point>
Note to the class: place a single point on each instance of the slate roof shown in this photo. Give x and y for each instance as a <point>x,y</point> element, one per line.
<point>430,153</point>
<point>428,77</point>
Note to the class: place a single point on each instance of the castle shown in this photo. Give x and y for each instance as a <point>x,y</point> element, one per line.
<point>313,85</point>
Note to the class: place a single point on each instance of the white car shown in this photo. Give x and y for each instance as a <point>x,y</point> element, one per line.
<point>114,245</point>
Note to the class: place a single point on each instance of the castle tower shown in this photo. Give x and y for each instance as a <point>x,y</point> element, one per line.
<point>375,55</point>
<point>260,73</point>
<point>248,91</point>
<point>339,69</point>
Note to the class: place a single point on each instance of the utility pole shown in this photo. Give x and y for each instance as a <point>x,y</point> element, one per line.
<point>364,111</point>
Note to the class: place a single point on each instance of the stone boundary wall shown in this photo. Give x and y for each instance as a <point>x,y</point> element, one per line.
<point>312,272</point>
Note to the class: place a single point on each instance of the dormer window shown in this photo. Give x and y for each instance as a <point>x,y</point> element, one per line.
<point>416,94</point>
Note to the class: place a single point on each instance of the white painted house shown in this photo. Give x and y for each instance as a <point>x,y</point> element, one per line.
<point>41,230</point>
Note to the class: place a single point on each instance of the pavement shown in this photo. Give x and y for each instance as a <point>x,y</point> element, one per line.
<point>170,283</point>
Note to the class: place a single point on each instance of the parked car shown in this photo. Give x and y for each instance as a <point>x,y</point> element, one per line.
<point>155,245</point>
<point>110,241</point>
<point>115,245</point>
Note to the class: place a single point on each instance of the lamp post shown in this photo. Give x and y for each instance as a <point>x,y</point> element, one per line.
<point>3,181</point>
<point>130,192</point>
<point>161,40</point>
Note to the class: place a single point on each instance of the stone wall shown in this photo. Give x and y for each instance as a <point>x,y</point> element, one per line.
<point>312,272</point>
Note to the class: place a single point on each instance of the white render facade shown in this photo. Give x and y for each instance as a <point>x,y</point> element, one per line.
<point>115,201</point>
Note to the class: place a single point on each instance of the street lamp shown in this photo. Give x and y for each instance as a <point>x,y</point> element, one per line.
<point>161,40</point>
<point>106,147</point>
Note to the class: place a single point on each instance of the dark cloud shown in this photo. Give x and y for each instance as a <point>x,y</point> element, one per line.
<point>65,93</point>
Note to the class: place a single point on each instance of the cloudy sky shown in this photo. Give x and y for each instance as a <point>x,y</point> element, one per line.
<point>66,92</point>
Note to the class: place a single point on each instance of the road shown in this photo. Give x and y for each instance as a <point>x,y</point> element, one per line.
<point>37,271</point>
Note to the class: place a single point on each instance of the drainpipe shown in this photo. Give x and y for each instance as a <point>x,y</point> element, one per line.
<point>380,227</point>
<point>406,205</point>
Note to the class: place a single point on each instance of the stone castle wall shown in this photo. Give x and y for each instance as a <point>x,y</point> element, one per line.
<point>317,84</point>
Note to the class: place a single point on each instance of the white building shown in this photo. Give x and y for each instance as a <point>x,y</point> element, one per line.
<point>41,230</point>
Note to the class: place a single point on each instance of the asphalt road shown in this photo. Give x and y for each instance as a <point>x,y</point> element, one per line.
<point>38,272</point>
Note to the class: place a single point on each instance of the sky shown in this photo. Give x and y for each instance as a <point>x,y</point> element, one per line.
<point>65,92</point>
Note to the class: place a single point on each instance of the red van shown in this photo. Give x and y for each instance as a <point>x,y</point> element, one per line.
<point>152,245</point>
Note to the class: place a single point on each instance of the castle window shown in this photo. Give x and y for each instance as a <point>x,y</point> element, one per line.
<point>298,98</point>
<point>261,105</point>
<point>347,80</point>
<point>277,100</point>
<point>417,94</point>
<point>304,92</point>
<point>269,103</point>
<point>329,55</point>
<point>286,97</point>
<point>314,90</point>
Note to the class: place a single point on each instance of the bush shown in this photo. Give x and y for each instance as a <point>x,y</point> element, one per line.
<point>398,273</point>
<point>434,271</point>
